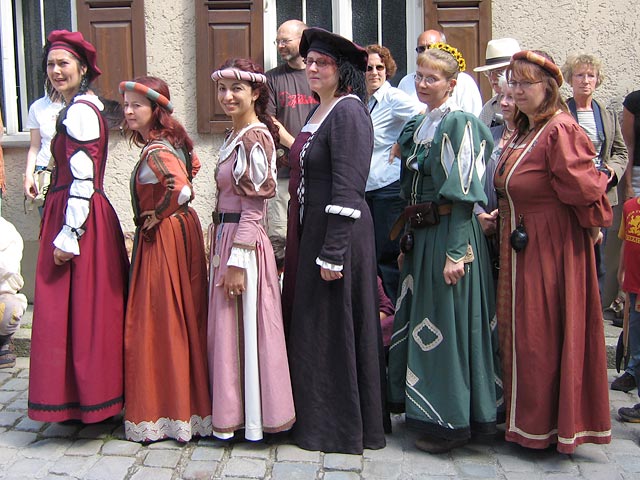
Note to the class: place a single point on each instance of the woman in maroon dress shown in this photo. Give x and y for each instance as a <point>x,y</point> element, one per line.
<point>551,202</point>
<point>81,275</point>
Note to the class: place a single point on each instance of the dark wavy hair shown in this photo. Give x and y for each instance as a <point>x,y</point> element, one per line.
<point>552,102</point>
<point>385,55</point>
<point>260,105</point>
<point>163,125</point>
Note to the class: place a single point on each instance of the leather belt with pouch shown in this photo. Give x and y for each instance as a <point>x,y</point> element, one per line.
<point>421,215</point>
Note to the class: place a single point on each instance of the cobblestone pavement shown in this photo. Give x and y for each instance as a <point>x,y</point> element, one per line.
<point>30,449</point>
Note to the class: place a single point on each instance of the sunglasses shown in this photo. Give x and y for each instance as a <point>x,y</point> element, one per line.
<point>379,68</point>
<point>422,48</point>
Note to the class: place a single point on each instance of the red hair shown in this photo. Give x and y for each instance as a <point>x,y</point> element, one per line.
<point>163,125</point>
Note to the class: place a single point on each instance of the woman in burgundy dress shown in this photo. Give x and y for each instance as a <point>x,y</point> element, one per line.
<point>81,275</point>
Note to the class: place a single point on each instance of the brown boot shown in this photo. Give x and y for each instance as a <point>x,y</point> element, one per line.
<point>7,352</point>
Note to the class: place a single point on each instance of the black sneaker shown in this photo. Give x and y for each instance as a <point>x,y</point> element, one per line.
<point>631,415</point>
<point>624,383</point>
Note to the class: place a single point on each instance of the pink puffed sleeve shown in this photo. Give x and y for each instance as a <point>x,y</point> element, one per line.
<point>254,175</point>
<point>254,170</point>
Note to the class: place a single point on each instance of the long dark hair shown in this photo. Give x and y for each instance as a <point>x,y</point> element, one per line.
<point>260,105</point>
<point>163,125</point>
<point>350,80</point>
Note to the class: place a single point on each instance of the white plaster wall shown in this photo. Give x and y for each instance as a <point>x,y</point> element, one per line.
<point>171,54</point>
<point>12,199</point>
<point>607,29</point>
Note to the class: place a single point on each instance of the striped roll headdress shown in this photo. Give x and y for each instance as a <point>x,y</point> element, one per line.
<point>150,93</point>
<point>234,73</point>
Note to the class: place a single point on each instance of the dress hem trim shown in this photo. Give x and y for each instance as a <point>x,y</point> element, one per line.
<point>180,430</point>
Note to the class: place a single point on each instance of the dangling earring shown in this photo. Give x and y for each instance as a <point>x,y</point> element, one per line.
<point>84,84</point>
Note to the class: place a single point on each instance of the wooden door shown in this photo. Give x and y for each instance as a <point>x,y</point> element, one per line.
<point>224,29</point>
<point>467,26</point>
<point>116,29</point>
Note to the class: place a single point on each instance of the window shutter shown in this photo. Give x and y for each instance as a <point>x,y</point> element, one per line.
<point>467,25</point>
<point>225,29</point>
<point>116,29</point>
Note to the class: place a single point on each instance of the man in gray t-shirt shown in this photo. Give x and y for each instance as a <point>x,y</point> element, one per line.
<point>290,102</point>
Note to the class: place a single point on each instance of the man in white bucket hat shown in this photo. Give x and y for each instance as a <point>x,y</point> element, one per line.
<point>497,58</point>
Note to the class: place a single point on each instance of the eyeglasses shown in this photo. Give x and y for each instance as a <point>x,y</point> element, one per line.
<point>419,78</point>
<point>320,62</point>
<point>523,85</point>
<point>284,42</point>
<point>422,48</point>
<point>494,73</point>
<point>379,68</point>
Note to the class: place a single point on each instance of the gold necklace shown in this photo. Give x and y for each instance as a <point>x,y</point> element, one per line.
<point>507,132</point>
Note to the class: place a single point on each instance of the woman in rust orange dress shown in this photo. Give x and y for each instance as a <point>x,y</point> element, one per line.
<point>551,202</point>
<point>166,384</point>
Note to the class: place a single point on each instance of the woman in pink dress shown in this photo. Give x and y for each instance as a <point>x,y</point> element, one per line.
<point>248,366</point>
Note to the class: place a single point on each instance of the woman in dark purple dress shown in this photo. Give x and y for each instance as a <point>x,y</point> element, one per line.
<point>334,342</point>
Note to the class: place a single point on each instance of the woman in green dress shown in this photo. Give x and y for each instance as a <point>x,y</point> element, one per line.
<point>443,366</point>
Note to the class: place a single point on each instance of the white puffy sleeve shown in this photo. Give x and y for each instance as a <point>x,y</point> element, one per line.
<point>82,124</point>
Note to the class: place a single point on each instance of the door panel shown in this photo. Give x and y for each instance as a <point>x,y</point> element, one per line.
<point>467,25</point>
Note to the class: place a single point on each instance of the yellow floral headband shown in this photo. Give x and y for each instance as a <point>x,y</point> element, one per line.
<point>453,51</point>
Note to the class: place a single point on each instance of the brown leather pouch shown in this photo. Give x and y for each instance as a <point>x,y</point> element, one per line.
<point>422,215</point>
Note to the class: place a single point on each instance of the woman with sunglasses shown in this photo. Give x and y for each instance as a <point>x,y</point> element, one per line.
<point>487,213</point>
<point>390,108</point>
<point>443,366</point>
<point>551,202</point>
